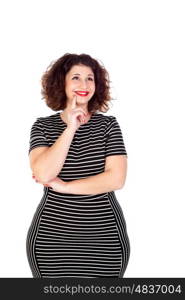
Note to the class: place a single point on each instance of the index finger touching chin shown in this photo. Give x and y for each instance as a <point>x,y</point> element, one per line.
<point>73,104</point>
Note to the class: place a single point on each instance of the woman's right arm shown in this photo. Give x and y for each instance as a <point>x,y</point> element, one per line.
<point>47,163</point>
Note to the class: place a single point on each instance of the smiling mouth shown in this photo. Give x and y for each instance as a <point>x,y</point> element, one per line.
<point>81,93</point>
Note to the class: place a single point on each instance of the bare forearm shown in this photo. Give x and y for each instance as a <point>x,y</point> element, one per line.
<point>97,184</point>
<point>49,163</point>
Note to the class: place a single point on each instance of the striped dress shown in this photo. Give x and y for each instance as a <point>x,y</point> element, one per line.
<point>82,235</point>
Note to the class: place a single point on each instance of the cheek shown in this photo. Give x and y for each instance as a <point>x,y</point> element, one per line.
<point>93,88</point>
<point>70,86</point>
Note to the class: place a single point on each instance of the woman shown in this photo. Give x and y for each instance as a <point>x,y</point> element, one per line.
<point>78,229</point>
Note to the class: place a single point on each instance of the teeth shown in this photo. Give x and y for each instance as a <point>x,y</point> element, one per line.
<point>83,93</point>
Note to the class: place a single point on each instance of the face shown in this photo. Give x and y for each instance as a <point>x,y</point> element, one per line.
<point>80,81</point>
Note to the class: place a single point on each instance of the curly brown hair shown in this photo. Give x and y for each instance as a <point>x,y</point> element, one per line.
<point>53,82</point>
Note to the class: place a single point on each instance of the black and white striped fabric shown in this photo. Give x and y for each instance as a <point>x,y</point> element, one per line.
<point>79,235</point>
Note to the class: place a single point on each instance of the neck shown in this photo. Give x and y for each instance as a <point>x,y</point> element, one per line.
<point>63,114</point>
<point>84,107</point>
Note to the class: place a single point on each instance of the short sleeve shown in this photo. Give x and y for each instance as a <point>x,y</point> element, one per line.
<point>37,136</point>
<point>114,139</point>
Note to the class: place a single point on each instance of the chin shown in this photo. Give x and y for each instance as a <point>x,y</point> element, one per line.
<point>81,99</point>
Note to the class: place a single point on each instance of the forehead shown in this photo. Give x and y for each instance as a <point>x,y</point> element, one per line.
<point>80,69</point>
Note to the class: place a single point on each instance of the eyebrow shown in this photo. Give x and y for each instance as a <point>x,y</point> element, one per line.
<point>79,74</point>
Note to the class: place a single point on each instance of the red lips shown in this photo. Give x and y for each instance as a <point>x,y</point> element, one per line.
<point>81,93</point>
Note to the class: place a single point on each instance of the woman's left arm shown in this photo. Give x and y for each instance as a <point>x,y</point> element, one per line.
<point>113,178</point>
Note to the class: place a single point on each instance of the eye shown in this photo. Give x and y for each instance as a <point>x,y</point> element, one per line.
<point>77,77</point>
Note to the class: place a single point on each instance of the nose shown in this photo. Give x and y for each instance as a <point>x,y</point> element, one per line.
<point>84,84</point>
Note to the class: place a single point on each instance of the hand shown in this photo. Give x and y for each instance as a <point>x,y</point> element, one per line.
<point>74,116</point>
<point>36,180</point>
<point>57,184</point>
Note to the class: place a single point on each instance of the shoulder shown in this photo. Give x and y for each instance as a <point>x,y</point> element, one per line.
<point>47,120</point>
<point>107,121</point>
<point>106,118</point>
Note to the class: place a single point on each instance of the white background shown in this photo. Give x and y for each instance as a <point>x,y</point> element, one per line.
<point>142,45</point>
